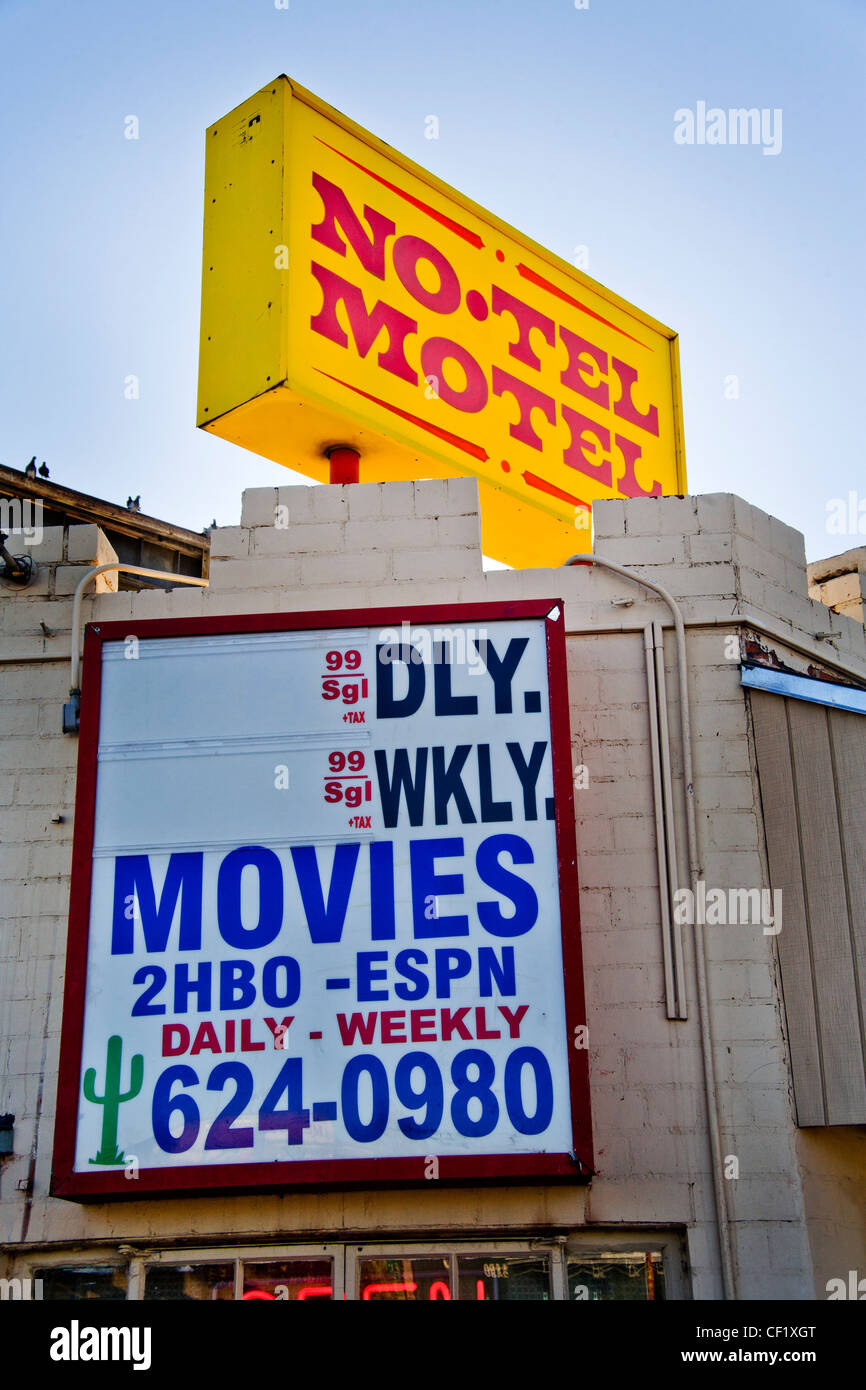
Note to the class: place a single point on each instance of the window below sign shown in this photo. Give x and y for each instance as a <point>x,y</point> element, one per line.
<point>622,1276</point>
<point>190,1281</point>
<point>503,1278</point>
<point>581,1267</point>
<point>292,1281</point>
<point>81,1282</point>
<point>405,1280</point>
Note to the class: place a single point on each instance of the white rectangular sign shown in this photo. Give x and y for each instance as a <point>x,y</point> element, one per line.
<point>321,934</point>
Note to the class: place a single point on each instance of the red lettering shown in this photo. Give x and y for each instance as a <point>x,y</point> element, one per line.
<point>574,376</point>
<point>434,354</point>
<point>575,456</point>
<point>452,1022</point>
<point>515,1019</point>
<point>408,251</point>
<point>625,407</point>
<point>365,326</point>
<point>364,1028</point>
<point>247,1045</point>
<point>393,1025</point>
<point>481,1025</point>
<point>421,1019</point>
<point>369,250</point>
<point>628,484</point>
<point>529,399</point>
<point>526,319</point>
<point>205,1040</point>
<point>230,1035</point>
<point>169,1047</point>
<point>280,1030</point>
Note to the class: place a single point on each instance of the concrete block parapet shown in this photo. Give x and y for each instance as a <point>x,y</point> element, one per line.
<point>89,545</point>
<point>715,549</point>
<point>839,582</point>
<point>361,533</point>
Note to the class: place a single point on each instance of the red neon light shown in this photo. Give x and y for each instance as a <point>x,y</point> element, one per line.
<point>386,1288</point>
<point>439,1290</point>
<point>259,1293</point>
<point>315,1291</point>
<point>479,1290</point>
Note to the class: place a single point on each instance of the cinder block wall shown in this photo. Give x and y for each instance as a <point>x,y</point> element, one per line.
<point>302,548</point>
<point>840,582</point>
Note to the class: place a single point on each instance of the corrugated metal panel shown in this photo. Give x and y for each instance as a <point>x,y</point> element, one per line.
<point>812,770</point>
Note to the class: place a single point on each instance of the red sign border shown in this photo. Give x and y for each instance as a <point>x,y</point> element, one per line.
<point>576,1166</point>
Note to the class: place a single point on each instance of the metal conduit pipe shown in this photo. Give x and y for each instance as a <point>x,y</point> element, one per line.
<point>70,711</point>
<point>79,594</point>
<point>704,1009</point>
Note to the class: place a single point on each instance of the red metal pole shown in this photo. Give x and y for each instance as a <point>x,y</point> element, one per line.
<point>345,465</point>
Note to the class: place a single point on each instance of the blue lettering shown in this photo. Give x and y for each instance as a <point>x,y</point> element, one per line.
<point>184,987</point>
<point>404,963</point>
<point>367,974</point>
<point>132,879</point>
<point>501,880</point>
<point>270,872</point>
<point>426,884</point>
<point>450,965</point>
<point>237,990</point>
<point>291,991</point>
<point>490,971</point>
<point>325,922</point>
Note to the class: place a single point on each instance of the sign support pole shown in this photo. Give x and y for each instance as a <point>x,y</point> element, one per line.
<point>345,465</point>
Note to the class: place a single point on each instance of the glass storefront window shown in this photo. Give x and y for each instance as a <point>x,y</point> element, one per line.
<point>621,1276</point>
<point>105,1282</point>
<point>581,1267</point>
<point>407,1280</point>
<point>502,1278</point>
<point>294,1280</point>
<point>190,1282</point>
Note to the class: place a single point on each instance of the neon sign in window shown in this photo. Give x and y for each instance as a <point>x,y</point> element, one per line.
<point>295,1281</point>
<point>405,1280</point>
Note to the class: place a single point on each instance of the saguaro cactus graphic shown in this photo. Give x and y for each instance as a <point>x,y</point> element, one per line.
<point>112,1098</point>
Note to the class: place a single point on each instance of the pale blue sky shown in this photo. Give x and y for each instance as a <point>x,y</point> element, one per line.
<point>559,120</point>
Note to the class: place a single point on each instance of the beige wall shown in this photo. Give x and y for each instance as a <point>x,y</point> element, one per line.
<point>401,542</point>
<point>833,1167</point>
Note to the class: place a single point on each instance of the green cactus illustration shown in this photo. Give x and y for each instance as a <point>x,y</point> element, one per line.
<point>108,1152</point>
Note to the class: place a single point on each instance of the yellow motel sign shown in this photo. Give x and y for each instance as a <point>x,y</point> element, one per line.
<point>350,298</point>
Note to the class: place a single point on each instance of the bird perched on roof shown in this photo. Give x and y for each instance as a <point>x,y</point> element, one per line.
<point>30,470</point>
<point>43,469</point>
<point>133,504</point>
